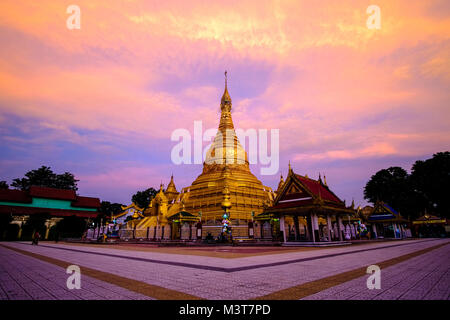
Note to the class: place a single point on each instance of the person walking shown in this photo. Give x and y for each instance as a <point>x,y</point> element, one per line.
<point>36,238</point>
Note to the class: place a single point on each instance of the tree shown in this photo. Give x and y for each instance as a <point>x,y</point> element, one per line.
<point>393,187</point>
<point>107,208</point>
<point>45,177</point>
<point>143,198</point>
<point>4,185</point>
<point>431,181</point>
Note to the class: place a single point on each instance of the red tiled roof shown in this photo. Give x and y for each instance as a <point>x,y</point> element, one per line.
<point>52,193</point>
<point>17,210</point>
<point>317,188</point>
<point>11,195</point>
<point>86,202</point>
<point>291,204</point>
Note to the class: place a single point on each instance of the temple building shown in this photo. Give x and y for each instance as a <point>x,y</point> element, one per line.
<point>200,206</point>
<point>307,210</point>
<point>386,222</point>
<point>54,204</point>
<point>226,171</point>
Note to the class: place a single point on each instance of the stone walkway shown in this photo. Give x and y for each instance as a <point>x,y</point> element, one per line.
<point>26,278</point>
<point>426,276</point>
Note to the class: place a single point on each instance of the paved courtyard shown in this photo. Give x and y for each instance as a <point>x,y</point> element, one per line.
<point>410,269</point>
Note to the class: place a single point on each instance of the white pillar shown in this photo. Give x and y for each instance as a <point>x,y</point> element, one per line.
<point>374,231</point>
<point>313,223</point>
<point>339,222</point>
<point>282,228</point>
<point>329,227</point>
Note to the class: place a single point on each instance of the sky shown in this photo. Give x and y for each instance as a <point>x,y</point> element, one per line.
<point>102,101</point>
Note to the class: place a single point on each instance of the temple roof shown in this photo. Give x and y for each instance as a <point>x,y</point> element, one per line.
<point>302,193</point>
<point>318,189</point>
<point>171,186</point>
<point>57,202</point>
<point>383,212</point>
<point>52,193</point>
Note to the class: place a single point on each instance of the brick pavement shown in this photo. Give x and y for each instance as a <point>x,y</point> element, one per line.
<point>26,278</point>
<point>249,283</point>
<point>424,277</point>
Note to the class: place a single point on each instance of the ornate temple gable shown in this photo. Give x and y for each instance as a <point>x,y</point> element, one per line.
<point>301,189</point>
<point>383,211</point>
<point>292,190</point>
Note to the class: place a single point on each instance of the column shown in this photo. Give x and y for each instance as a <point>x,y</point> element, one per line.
<point>329,227</point>
<point>47,229</point>
<point>282,228</point>
<point>19,235</point>
<point>339,224</point>
<point>374,231</point>
<point>311,219</point>
<point>316,227</point>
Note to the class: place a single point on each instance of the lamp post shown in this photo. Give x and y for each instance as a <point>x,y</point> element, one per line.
<point>226,205</point>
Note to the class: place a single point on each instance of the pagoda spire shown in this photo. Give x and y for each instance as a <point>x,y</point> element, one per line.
<point>226,99</point>
<point>225,107</point>
<point>280,184</point>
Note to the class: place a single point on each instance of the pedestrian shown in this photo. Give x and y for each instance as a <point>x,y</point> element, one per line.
<point>36,238</point>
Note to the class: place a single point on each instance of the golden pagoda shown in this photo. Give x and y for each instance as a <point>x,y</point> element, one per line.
<point>226,169</point>
<point>226,184</point>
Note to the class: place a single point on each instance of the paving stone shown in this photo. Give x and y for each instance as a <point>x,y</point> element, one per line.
<point>427,275</point>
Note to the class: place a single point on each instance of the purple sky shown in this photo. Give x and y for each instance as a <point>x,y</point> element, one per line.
<point>103,101</point>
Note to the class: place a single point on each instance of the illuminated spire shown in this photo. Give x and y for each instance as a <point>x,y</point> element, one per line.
<point>171,186</point>
<point>280,184</point>
<point>226,99</point>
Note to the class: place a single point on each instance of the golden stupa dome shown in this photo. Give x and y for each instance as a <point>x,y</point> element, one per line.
<point>226,148</point>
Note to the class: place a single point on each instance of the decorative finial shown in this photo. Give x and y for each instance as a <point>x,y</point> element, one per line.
<point>290,169</point>
<point>226,99</point>
<point>325,180</point>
